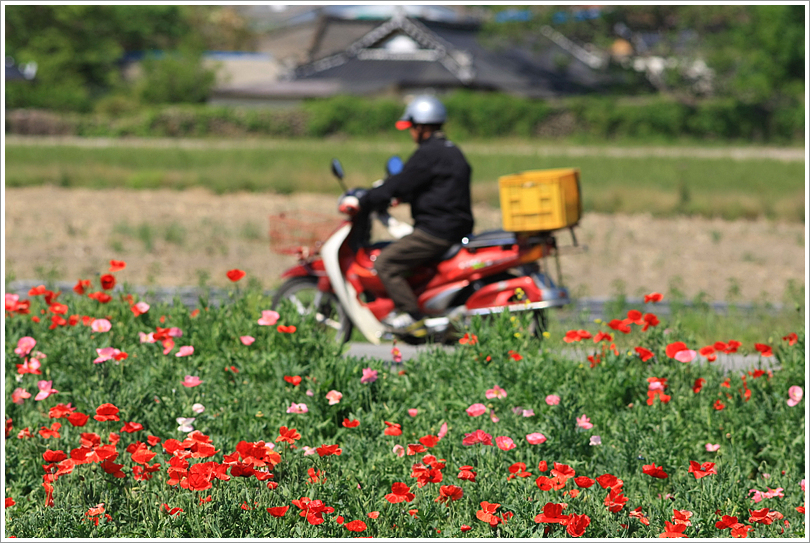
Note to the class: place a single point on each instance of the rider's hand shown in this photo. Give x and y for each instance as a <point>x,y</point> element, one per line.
<point>349,203</point>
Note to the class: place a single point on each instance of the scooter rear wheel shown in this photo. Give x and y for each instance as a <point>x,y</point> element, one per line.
<point>303,293</point>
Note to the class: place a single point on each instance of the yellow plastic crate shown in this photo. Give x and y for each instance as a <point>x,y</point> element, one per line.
<point>540,200</point>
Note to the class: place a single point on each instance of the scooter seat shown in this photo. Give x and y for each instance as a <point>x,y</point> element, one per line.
<point>490,238</point>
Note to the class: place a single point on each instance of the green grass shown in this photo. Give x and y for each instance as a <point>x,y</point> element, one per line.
<point>711,187</point>
<point>762,440</point>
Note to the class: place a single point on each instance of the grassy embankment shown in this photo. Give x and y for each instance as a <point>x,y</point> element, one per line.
<point>670,185</point>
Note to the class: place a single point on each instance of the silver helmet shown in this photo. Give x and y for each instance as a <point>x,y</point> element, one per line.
<point>423,109</point>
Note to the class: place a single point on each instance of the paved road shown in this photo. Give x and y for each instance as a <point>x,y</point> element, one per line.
<point>730,363</point>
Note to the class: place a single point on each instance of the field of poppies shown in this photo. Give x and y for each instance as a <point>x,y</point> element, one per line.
<point>125,420</point>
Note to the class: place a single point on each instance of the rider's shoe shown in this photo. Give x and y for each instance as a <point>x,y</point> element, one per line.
<point>403,323</point>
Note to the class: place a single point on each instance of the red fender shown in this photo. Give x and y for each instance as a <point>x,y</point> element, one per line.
<point>498,294</point>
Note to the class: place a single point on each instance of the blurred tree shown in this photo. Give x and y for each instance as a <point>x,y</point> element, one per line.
<point>78,48</point>
<point>755,51</point>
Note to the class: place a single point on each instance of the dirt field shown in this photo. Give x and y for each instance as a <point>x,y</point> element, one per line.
<point>187,238</point>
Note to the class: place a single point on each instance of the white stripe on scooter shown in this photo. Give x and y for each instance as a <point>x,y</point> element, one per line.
<point>362,318</point>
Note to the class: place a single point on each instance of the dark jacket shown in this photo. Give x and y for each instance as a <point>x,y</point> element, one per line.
<point>436,183</point>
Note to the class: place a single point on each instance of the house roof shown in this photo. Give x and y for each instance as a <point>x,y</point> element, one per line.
<point>441,54</point>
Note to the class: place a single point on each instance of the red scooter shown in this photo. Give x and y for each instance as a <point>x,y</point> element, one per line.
<point>483,274</point>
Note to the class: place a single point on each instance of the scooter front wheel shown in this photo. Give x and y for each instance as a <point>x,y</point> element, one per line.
<point>304,294</point>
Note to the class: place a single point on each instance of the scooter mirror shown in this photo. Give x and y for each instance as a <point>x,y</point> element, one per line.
<point>394,165</point>
<point>337,168</point>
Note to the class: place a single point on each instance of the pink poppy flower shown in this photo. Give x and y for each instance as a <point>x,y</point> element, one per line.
<point>801,484</point>
<point>712,448</point>
<point>105,354</point>
<point>100,325</point>
<point>399,450</point>
<point>247,340</point>
<point>45,390</point>
<point>175,332</point>
<point>297,408</point>
<point>19,395</point>
<point>185,350</point>
<point>310,392</point>
<point>191,381</point>
<point>147,338</point>
<point>595,440</point>
<point>493,417</point>
<point>309,450</point>
<point>198,408</point>
<point>24,345</point>
<point>757,495</point>
<point>334,397</point>
<point>495,392</point>
<point>413,412</point>
<point>168,345</point>
<point>140,308</point>
<point>528,412</point>
<point>369,376</point>
<point>584,422</point>
<point>269,318</point>
<point>536,438</point>
<point>685,356</point>
<point>774,493</point>
<point>505,443</point>
<point>476,410</point>
<point>795,394</point>
<point>552,399</point>
<point>442,431</point>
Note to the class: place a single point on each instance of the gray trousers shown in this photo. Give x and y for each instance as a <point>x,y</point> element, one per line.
<point>396,260</point>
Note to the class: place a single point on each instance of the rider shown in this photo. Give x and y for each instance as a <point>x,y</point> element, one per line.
<point>435,181</point>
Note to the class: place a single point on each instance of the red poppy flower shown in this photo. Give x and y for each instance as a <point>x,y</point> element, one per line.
<point>373,514</point>
<point>731,347</point>
<point>709,352</point>
<point>718,405</point>
<point>131,427</point>
<point>350,423</point>
<point>554,483</point>
<point>466,473</point>
<point>329,450</point>
<point>54,456</point>
<point>701,470</point>
<point>602,336</point>
<point>315,476</point>
<point>117,265</point>
<point>479,436</point>
<point>393,429</point>
<point>741,530</point>
<point>542,466</point>
<point>637,513</point>
<point>577,524</point>
<point>294,380</point>
<point>673,530</point>
<point>53,431</point>
<point>515,356</point>
<point>100,297</point>
<point>649,320</point>
<point>235,275</point>
<point>171,510</point>
<point>615,500</point>
<point>400,492</point>
<point>765,350</point>
<point>105,412</point>
<point>355,526</point>
<point>278,511</point>
<point>655,471</point>
<point>429,441</point>
<point>470,339</point>
<point>286,329</point>
<point>563,471</point>
<point>449,492</point>
<point>288,435</point>
<point>619,326</point>
<point>584,482</point>
<point>107,281</point>
<point>487,513</point>
<point>791,338</point>
<point>698,385</point>
<point>653,297</point>
<point>552,514</point>
<point>675,348</point>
